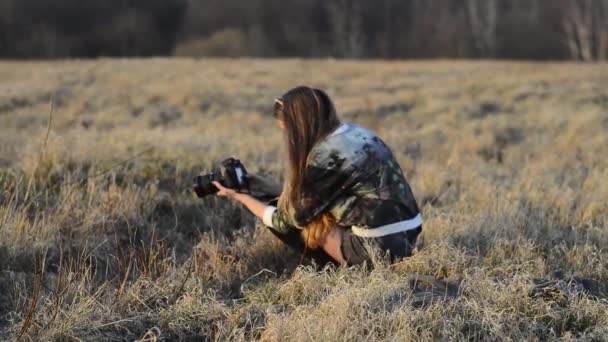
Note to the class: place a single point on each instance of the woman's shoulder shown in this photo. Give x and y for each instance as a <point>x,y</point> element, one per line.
<point>349,129</point>
<point>347,134</point>
<point>348,143</point>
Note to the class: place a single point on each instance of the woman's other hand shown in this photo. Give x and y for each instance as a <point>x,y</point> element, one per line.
<point>264,185</point>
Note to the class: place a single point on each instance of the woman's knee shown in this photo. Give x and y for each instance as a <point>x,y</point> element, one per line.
<point>333,244</point>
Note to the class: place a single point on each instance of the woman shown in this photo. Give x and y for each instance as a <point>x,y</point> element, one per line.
<point>344,190</point>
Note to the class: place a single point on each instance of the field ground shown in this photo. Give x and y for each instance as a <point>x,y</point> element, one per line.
<point>100,238</point>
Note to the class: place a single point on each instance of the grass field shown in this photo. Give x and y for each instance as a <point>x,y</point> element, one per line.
<point>100,238</point>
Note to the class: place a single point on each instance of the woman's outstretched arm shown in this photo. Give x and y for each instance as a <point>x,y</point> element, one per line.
<point>272,217</point>
<point>256,207</point>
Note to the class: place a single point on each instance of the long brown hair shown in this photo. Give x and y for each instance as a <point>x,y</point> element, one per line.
<point>308,115</point>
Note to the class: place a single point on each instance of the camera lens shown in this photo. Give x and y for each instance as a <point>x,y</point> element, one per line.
<point>203,185</point>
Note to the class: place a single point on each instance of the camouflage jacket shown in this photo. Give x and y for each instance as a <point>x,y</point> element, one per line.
<point>354,175</point>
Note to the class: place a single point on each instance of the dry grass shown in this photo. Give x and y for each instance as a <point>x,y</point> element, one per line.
<point>507,160</point>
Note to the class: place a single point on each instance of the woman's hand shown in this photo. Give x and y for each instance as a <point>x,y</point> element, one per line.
<point>224,192</point>
<point>256,207</point>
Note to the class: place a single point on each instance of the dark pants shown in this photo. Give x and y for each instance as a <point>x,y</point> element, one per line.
<point>356,249</point>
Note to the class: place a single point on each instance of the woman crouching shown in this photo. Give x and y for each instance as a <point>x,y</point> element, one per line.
<point>344,191</point>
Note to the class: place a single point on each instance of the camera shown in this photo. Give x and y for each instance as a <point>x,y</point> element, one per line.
<point>232,175</point>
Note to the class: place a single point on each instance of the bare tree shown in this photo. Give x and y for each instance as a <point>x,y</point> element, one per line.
<point>483,17</point>
<point>347,31</point>
<point>585,24</point>
<point>578,20</point>
<point>601,19</point>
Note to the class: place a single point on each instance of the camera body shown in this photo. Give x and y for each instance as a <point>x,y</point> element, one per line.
<point>232,175</point>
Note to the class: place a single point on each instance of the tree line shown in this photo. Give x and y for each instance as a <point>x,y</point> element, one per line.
<point>404,29</point>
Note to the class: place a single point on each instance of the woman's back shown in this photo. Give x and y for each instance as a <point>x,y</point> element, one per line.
<point>357,172</point>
